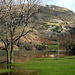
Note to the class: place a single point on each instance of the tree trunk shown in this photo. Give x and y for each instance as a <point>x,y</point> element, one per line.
<point>11,47</point>
<point>11,51</point>
<point>8,56</point>
<point>68,50</point>
<point>11,55</point>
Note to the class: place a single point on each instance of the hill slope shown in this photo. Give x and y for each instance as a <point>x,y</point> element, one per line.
<point>53,19</point>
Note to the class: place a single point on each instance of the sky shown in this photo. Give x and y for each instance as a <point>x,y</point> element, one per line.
<point>70,4</point>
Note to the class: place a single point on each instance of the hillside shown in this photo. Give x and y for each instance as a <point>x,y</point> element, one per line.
<point>54,19</point>
<point>54,15</point>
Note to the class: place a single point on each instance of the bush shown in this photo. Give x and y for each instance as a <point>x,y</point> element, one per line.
<point>30,46</point>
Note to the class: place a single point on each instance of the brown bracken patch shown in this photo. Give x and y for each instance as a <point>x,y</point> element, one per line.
<point>40,59</point>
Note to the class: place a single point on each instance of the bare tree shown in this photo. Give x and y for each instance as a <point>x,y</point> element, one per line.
<point>67,40</point>
<point>16,15</point>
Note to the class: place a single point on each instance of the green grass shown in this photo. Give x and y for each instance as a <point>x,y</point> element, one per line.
<point>55,47</point>
<point>50,66</point>
<point>4,70</point>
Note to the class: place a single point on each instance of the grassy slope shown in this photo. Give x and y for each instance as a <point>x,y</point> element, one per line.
<point>50,66</point>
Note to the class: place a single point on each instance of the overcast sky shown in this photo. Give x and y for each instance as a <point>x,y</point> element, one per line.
<point>70,4</point>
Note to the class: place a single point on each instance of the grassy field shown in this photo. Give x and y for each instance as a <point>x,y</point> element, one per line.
<point>53,47</point>
<point>50,66</point>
